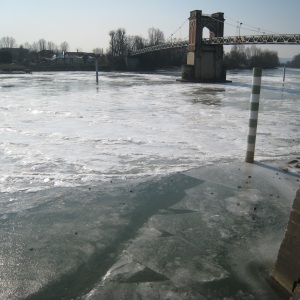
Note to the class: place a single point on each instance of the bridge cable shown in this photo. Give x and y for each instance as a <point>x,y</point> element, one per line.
<point>257,28</point>
<point>222,21</point>
<point>243,23</point>
<point>170,37</point>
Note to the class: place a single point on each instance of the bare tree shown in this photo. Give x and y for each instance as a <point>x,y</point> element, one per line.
<point>35,47</point>
<point>8,42</point>
<point>64,46</point>
<point>98,51</point>
<point>118,42</point>
<point>135,42</point>
<point>27,46</point>
<point>52,46</point>
<point>42,44</point>
<point>112,44</point>
<point>155,36</point>
<point>252,51</point>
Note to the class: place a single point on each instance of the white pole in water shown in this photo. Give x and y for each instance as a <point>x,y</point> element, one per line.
<point>284,74</point>
<point>97,69</point>
<point>254,106</point>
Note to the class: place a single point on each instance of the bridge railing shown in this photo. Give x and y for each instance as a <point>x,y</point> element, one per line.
<point>254,39</point>
<point>230,40</point>
<point>181,44</point>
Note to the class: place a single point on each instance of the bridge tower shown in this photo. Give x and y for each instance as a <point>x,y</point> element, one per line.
<point>204,62</point>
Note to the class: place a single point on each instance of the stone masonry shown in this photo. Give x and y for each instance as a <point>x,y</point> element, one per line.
<point>287,267</point>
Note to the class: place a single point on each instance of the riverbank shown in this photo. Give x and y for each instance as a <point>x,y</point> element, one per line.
<point>14,68</point>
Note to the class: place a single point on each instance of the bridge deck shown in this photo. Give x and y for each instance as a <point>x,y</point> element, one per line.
<point>283,39</point>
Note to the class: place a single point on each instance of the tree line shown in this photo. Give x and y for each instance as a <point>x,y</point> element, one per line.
<point>295,62</point>
<point>241,57</point>
<point>9,50</point>
<point>40,45</point>
<point>120,43</point>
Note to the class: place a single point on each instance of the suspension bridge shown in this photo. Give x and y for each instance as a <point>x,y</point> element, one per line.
<point>205,55</point>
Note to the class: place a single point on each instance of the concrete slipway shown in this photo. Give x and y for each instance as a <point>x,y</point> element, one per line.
<point>208,233</point>
<point>220,241</point>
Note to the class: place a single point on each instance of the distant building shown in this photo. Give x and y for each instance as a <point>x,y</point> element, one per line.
<point>79,57</point>
<point>71,58</point>
<point>46,56</point>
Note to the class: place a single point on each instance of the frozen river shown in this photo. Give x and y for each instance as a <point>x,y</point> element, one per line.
<point>60,129</point>
<point>63,136</point>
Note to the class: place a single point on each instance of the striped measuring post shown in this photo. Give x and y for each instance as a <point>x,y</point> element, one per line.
<point>254,106</point>
<point>97,69</point>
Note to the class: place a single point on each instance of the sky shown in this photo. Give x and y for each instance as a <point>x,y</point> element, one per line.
<point>85,24</point>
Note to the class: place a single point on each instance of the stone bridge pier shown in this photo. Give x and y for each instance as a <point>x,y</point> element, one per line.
<point>204,62</point>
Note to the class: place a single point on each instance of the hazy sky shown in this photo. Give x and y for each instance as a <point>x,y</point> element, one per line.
<point>85,24</point>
